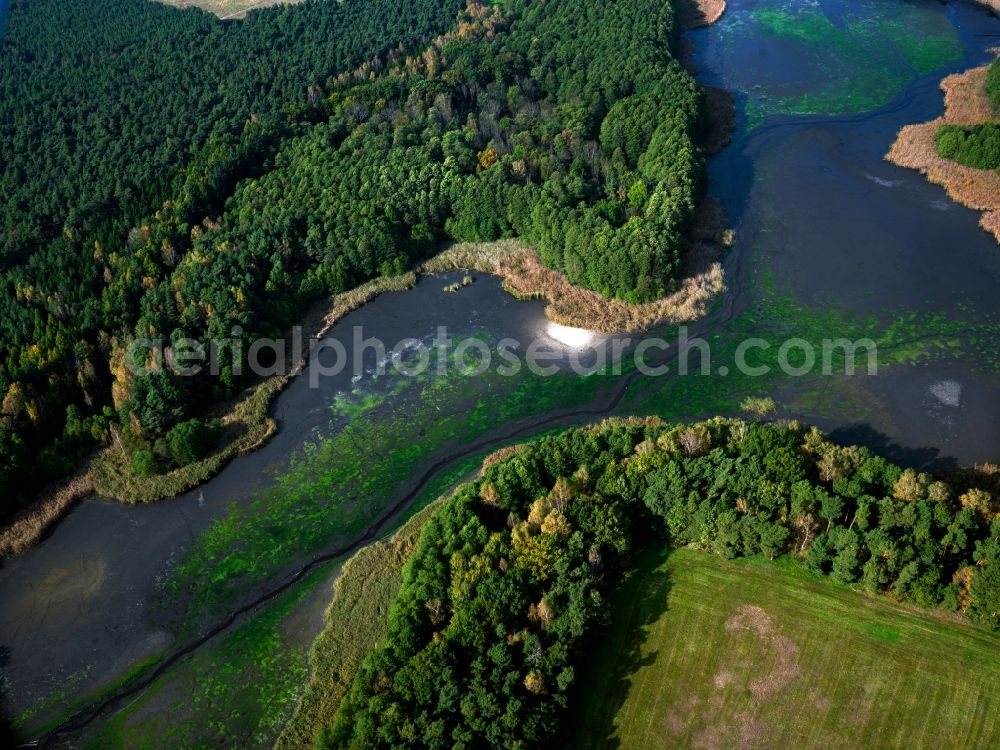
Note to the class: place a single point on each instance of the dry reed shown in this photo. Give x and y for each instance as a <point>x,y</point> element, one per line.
<point>695,13</point>
<point>966,103</point>
<point>500,455</point>
<point>28,527</point>
<point>525,277</point>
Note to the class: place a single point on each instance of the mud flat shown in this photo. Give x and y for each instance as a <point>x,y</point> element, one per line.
<point>966,103</point>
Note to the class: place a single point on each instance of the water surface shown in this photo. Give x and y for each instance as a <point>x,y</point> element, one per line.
<point>831,241</point>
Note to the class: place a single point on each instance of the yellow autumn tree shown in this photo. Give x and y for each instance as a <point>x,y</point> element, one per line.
<point>909,487</point>
<point>534,682</point>
<point>980,501</point>
<point>556,523</point>
<point>487,158</point>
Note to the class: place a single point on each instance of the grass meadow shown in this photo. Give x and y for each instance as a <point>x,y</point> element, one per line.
<point>706,653</point>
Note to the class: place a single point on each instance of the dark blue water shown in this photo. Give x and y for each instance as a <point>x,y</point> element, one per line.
<point>821,215</point>
<point>815,208</point>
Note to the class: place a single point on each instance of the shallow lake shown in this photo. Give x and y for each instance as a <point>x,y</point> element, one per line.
<point>831,242</point>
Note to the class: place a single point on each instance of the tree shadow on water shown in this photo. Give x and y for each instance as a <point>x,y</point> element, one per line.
<point>616,652</point>
<point>7,738</point>
<point>922,459</point>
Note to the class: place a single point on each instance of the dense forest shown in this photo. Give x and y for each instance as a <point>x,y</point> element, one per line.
<point>976,146</point>
<point>569,124</point>
<point>120,120</point>
<point>506,588</point>
<point>102,97</point>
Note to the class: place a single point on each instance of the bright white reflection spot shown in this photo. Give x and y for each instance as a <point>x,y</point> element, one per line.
<point>948,392</point>
<point>575,338</point>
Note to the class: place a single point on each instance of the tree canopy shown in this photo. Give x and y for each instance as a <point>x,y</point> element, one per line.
<point>123,125</point>
<point>102,98</point>
<point>993,85</point>
<point>976,146</point>
<point>508,583</point>
<point>231,178</point>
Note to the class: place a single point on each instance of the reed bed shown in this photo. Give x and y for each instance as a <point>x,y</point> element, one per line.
<point>525,277</point>
<point>28,527</point>
<point>357,616</point>
<point>693,14</point>
<point>245,421</point>
<point>966,103</point>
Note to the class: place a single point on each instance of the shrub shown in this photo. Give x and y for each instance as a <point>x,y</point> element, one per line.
<point>143,463</point>
<point>976,146</point>
<point>993,85</point>
<point>189,441</point>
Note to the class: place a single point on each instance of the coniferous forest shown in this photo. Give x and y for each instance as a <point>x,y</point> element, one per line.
<point>237,171</point>
<point>501,570</point>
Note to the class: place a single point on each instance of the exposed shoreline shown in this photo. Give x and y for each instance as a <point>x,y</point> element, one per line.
<point>966,103</point>
<point>525,278</point>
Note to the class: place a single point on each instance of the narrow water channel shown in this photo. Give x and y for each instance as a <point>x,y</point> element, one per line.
<point>830,241</point>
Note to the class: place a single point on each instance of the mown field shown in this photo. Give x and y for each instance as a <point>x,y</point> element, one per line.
<point>713,654</point>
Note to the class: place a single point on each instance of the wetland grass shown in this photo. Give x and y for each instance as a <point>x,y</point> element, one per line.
<point>525,277</point>
<point>245,422</point>
<point>356,618</point>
